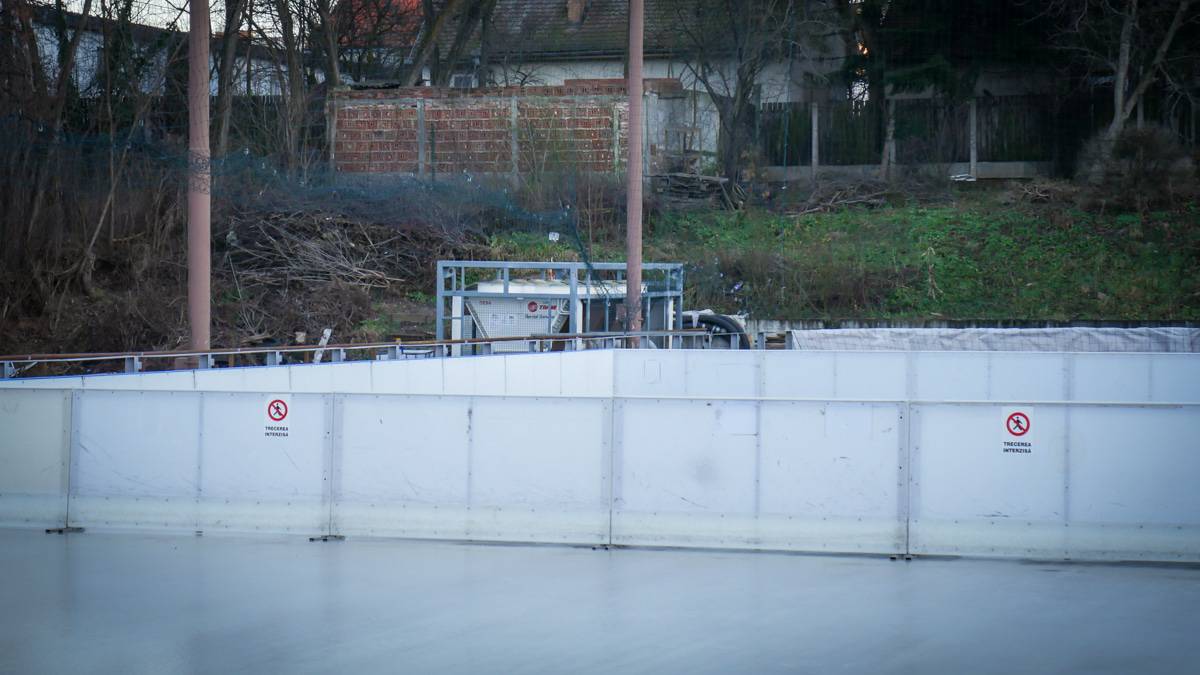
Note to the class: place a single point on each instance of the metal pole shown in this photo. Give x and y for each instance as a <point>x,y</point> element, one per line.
<point>199,197</point>
<point>633,171</point>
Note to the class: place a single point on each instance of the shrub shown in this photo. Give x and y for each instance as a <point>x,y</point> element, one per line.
<point>1142,169</point>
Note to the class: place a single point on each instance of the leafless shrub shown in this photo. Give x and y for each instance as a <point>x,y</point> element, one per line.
<point>1142,169</point>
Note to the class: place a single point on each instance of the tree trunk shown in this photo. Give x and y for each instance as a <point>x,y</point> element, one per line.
<point>329,31</point>
<point>1124,106</point>
<point>58,104</point>
<point>233,23</point>
<point>474,15</point>
<point>32,57</point>
<point>293,79</point>
<point>889,133</point>
<point>428,41</point>
<point>483,73</point>
<point>1122,72</point>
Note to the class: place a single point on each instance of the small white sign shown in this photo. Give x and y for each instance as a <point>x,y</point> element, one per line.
<point>1016,431</point>
<point>277,410</point>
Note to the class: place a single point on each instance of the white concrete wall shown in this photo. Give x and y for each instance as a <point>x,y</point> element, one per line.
<point>874,452</point>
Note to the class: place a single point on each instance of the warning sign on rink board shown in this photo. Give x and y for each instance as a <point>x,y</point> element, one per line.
<point>277,417</point>
<point>1017,431</point>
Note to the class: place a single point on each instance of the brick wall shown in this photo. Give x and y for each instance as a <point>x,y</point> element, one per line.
<point>425,130</point>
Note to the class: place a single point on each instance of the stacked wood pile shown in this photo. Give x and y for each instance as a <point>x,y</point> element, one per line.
<point>689,190</point>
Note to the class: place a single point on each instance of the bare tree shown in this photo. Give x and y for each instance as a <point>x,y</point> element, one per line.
<point>475,17</point>
<point>862,30</point>
<point>132,80</point>
<point>280,26</point>
<point>1133,41</point>
<point>324,25</point>
<point>24,73</point>
<point>463,13</point>
<point>728,44</point>
<point>235,13</point>
<point>375,37</point>
<point>28,87</point>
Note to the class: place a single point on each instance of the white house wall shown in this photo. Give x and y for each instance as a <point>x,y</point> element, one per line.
<point>87,72</point>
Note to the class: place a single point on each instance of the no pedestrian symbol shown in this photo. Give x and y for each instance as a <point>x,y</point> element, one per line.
<point>1018,424</point>
<point>277,410</point>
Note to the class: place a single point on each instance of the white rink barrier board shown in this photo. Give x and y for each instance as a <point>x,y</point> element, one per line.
<point>35,439</point>
<point>1039,455</point>
<point>787,475</point>
<point>481,468</point>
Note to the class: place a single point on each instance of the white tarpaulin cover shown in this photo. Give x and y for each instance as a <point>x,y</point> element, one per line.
<point>1073,339</point>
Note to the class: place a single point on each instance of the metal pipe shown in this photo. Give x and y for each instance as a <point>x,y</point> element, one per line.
<point>633,197</point>
<point>199,196</point>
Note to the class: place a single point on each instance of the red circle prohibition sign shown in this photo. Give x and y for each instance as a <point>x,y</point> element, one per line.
<point>1017,423</point>
<point>277,410</point>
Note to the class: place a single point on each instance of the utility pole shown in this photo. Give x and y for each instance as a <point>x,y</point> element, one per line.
<point>199,197</point>
<point>199,178</point>
<point>633,172</point>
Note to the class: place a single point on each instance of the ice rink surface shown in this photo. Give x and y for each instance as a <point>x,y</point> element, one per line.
<point>138,603</point>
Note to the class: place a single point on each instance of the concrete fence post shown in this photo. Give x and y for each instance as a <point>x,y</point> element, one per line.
<point>331,131</point>
<point>616,139</point>
<point>515,138</point>
<point>973,122</point>
<point>645,134</point>
<point>889,142</point>
<point>816,139</point>
<point>421,138</point>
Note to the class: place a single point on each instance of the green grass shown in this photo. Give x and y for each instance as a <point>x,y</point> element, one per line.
<point>975,259</point>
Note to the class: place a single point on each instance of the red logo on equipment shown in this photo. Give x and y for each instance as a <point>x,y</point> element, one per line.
<point>277,410</point>
<point>1017,424</point>
<point>532,307</point>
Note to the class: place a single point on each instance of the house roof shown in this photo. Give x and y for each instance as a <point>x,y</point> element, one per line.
<point>541,29</point>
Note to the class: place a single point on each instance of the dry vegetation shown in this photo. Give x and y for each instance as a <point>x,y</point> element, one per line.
<point>300,255</point>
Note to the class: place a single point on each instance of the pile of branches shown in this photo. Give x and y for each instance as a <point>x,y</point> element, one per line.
<point>1042,191</point>
<point>280,248</point>
<point>832,196</point>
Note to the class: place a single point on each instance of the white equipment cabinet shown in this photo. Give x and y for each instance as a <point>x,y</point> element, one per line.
<point>492,300</point>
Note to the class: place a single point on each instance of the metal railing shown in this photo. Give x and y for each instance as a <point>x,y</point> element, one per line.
<point>14,365</point>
